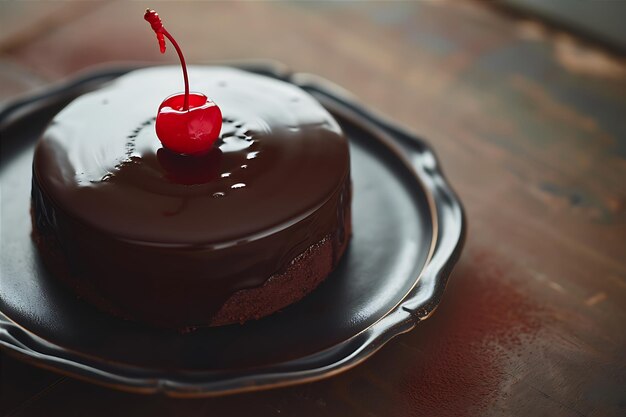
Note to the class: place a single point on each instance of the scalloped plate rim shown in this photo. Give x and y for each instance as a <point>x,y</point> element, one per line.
<point>419,304</point>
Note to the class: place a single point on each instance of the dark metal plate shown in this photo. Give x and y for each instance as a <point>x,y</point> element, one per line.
<point>408,232</point>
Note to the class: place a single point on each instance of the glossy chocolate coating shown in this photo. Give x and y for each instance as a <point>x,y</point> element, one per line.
<point>134,220</point>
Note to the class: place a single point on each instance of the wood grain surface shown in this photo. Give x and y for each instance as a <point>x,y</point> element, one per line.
<point>530,125</point>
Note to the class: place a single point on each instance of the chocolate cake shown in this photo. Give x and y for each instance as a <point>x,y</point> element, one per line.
<point>180,241</point>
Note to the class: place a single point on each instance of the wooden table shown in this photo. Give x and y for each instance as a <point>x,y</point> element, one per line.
<point>530,125</point>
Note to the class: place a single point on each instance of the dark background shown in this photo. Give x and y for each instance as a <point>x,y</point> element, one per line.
<point>528,120</point>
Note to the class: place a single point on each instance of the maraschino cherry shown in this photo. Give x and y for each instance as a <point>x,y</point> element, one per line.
<point>186,123</point>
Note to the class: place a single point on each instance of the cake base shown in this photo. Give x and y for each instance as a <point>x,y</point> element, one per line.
<point>303,274</point>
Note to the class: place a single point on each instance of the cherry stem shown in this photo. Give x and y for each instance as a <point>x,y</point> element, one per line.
<point>182,63</point>
<point>153,18</point>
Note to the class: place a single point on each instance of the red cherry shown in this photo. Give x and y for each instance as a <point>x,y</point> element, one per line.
<point>192,131</point>
<point>186,123</point>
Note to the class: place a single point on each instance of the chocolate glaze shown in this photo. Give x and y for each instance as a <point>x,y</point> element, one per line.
<point>168,238</point>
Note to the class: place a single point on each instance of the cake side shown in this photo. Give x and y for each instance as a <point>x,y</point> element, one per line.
<point>284,287</point>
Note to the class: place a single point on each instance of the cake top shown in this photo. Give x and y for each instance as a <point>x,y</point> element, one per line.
<point>280,157</point>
